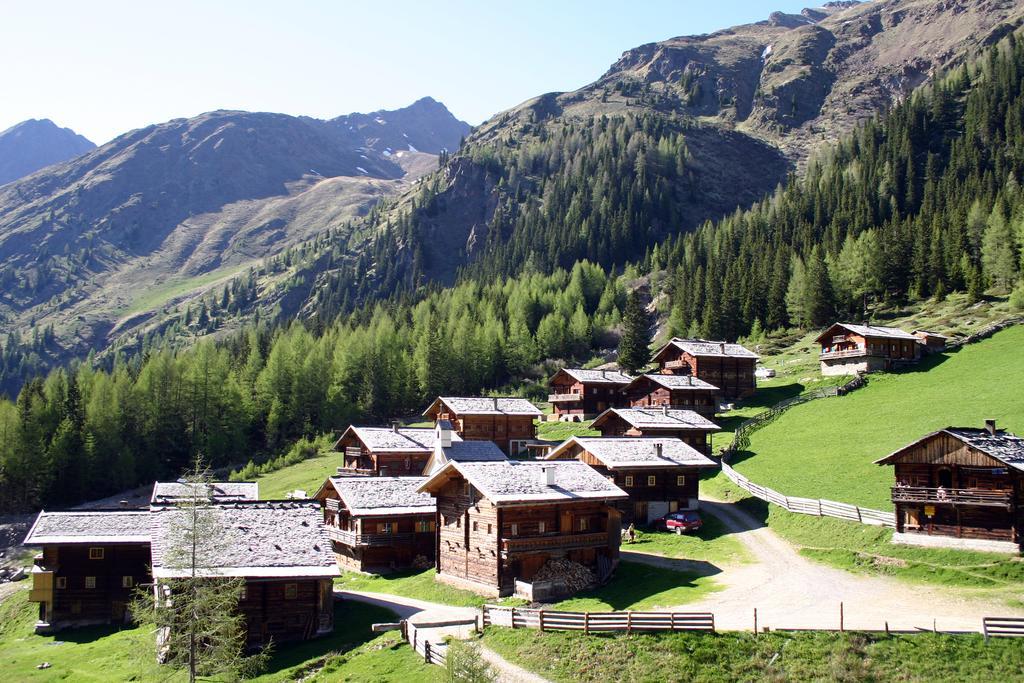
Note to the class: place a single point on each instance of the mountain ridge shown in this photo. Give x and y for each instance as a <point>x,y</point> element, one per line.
<point>33,144</point>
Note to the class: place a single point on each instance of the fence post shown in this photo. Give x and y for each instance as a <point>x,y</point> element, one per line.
<point>672,620</point>
<point>513,617</point>
<point>586,623</point>
<point>755,622</point>
<point>629,622</point>
<point>540,618</point>
<point>887,628</point>
<point>426,651</point>
<point>819,507</point>
<point>841,617</point>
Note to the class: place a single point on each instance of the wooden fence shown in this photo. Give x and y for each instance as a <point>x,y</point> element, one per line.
<point>432,652</point>
<point>1002,627</point>
<point>597,622</point>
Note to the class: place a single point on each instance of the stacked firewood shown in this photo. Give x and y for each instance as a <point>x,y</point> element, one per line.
<point>574,575</point>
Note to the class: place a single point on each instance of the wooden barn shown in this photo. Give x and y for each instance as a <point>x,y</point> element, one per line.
<point>500,523</point>
<point>961,488</point>
<point>447,449</point>
<point>661,475</point>
<point>849,349</point>
<point>378,524</point>
<point>730,367</point>
<point>578,394</point>
<point>684,392</point>
<point>177,492</point>
<point>508,422</point>
<point>692,428</point>
<point>386,451</point>
<point>931,342</point>
<point>280,548</point>
<point>89,565</point>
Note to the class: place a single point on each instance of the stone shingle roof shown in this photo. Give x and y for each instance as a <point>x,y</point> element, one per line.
<point>680,382</point>
<point>484,406</point>
<point>90,526</point>
<point>220,491</point>
<point>1003,446</point>
<point>597,376</point>
<point>383,495</point>
<point>703,347</point>
<point>264,539</point>
<point>404,440</point>
<point>514,481</point>
<point>473,451</point>
<point>874,331</point>
<point>636,452</point>
<point>658,418</point>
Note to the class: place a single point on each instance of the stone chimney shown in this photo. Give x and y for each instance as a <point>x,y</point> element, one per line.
<point>990,427</point>
<point>721,345</point>
<point>394,427</point>
<point>443,430</point>
<point>494,400</point>
<point>664,409</point>
<point>658,449</point>
<point>547,475</point>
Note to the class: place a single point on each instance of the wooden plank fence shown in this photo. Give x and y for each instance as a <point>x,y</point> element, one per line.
<point>597,622</point>
<point>432,652</point>
<point>1002,627</point>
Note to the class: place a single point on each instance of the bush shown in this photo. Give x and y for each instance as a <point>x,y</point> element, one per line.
<point>465,664</point>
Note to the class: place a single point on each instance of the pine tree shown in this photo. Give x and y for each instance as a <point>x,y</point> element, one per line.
<point>634,347</point>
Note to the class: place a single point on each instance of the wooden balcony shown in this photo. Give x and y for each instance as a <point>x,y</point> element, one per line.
<point>933,496</point>
<point>554,542</point>
<point>353,539</point>
<point>564,398</point>
<point>848,353</point>
<point>676,364</point>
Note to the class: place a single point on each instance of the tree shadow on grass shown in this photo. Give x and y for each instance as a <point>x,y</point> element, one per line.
<point>766,397</point>
<point>90,634</point>
<point>634,582</point>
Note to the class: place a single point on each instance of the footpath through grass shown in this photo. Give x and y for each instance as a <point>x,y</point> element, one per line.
<point>826,448</point>
<point>808,656</point>
<point>106,653</point>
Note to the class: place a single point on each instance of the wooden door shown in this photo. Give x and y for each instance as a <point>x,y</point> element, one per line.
<point>640,513</point>
<point>565,522</point>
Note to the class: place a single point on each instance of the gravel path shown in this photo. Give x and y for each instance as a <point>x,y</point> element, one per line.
<point>790,591</point>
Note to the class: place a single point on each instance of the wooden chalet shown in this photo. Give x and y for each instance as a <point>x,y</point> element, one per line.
<point>508,422</point>
<point>89,565</point>
<point>578,394</point>
<point>177,492</point>
<point>730,367</point>
<point>447,449</point>
<point>280,548</point>
<point>499,523</point>
<point>931,342</point>
<point>692,428</point>
<point>849,349</point>
<point>661,475</point>
<point>387,451</point>
<point>684,392</point>
<point>378,524</point>
<point>962,488</point>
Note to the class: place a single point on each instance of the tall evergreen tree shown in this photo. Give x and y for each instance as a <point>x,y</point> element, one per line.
<point>634,347</point>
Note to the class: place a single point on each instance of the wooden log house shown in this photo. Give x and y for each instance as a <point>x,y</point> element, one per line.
<point>386,451</point>
<point>378,524</point>
<point>578,394</point>
<point>692,428</point>
<point>931,342</point>
<point>661,475</point>
<point>684,392</point>
<point>280,548</point>
<point>730,367</point>
<point>499,523</point>
<point>849,349</point>
<point>961,488</point>
<point>508,422</point>
<point>89,565</point>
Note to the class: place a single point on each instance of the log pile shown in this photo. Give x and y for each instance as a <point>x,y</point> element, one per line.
<point>573,575</point>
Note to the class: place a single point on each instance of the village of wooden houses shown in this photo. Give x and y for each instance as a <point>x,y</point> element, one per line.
<point>638,516</point>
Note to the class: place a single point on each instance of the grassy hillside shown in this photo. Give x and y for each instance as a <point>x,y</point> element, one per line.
<point>826,448</point>
<point>103,653</point>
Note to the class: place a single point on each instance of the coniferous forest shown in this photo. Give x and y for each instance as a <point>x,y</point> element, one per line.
<point>924,202</point>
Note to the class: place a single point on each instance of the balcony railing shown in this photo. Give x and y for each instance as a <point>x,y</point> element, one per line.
<point>675,364</point>
<point>921,494</point>
<point>560,542</point>
<point>849,353</point>
<point>564,398</point>
<point>353,539</point>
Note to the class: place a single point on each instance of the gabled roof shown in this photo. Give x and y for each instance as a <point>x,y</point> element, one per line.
<point>875,331</point>
<point>261,539</point>
<point>517,481</point>
<point>170,492</point>
<point>89,526</point>
<point>635,452</point>
<point>677,382</point>
<point>703,347</point>
<point>657,418</point>
<point>463,451</point>
<point>484,406</point>
<point>382,495</point>
<point>1003,446</point>
<point>388,439</point>
<point>929,333</point>
<point>595,376</point>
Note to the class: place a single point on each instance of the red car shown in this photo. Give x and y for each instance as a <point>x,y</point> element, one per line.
<point>680,522</point>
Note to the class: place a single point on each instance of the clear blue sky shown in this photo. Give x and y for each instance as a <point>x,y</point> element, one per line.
<point>104,67</point>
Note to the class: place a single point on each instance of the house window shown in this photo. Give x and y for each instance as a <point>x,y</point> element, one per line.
<point>680,480</point>
<point>474,525</point>
<point>62,582</point>
<point>291,591</point>
<point>515,529</point>
<point>424,526</point>
<point>651,480</point>
<point>244,595</point>
<point>540,527</point>
<point>465,488</point>
<point>629,480</point>
<point>127,581</point>
<point>488,528</point>
<point>584,523</point>
<point>76,607</point>
<point>96,553</point>
<point>90,582</point>
<point>385,527</point>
